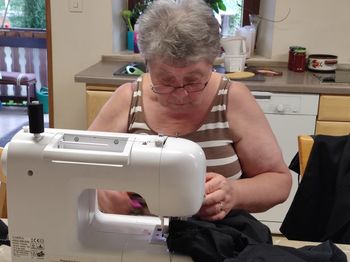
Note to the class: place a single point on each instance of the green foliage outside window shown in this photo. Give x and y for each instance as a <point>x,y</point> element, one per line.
<point>139,8</point>
<point>217,5</point>
<point>25,13</point>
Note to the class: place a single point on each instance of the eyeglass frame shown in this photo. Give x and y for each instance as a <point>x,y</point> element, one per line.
<point>177,87</point>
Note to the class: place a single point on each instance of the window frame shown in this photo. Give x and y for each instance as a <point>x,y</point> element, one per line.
<point>20,37</point>
<point>249,7</point>
<point>23,37</point>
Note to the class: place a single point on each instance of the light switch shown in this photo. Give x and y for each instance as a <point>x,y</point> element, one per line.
<point>76,6</point>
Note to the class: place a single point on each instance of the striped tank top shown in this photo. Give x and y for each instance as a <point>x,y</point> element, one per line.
<point>213,135</point>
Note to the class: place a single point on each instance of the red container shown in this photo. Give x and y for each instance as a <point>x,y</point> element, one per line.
<point>297,59</point>
<point>322,62</point>
<point>291,57</point>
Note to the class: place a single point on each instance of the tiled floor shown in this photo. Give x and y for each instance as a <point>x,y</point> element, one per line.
<point>12,117</point>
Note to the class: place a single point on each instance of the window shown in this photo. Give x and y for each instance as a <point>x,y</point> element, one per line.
<point>234,20</point>
<point>237,10</point>
<point>231,18</point>
<point>22,14</point>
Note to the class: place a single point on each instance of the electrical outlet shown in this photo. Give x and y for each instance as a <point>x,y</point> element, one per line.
<point>76,6</point>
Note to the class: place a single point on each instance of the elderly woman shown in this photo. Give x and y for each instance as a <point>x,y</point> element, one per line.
<point>182,96</point>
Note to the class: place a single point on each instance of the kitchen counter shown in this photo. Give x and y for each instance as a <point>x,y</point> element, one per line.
<point>101,74</point>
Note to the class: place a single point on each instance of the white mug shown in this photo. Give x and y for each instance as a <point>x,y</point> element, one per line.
<point>234,63</point>
<point>249,33</point>
<point>234,45</point>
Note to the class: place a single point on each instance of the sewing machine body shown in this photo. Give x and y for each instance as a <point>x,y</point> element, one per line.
<point>52,204</point>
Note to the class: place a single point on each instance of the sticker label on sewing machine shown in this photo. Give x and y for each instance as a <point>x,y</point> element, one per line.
<point>34,248</point>
<point>71,259</point>
<point>28,247</point>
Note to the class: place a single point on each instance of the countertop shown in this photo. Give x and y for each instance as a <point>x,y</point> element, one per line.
<point>101,74</point>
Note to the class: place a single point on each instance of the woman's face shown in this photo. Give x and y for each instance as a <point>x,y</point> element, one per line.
<point>179,87</point>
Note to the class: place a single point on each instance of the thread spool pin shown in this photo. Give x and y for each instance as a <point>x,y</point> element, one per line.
<point>36,118</point>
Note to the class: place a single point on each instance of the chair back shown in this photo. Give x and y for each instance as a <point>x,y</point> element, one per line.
<point>320,209</point>
<point>305,143</point>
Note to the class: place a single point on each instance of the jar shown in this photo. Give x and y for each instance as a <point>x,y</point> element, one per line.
<point>291,57</point>
<point>299,60</point>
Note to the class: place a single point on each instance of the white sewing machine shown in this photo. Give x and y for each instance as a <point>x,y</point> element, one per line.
<point>52,204</point>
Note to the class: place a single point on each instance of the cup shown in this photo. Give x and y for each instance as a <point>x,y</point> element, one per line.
<point>249,33</point>
<point>234,63</point>
<point>234,45</point>
<point>130,41</point>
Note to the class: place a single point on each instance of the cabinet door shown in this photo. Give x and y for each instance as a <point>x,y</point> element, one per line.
<point>94,102</point>
<point>332,128</point>
<point>334,108</point>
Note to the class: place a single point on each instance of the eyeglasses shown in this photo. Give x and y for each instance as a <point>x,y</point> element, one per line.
<point>190,88</point>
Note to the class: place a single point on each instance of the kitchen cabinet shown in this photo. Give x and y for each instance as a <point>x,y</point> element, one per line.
<point>333,115</point>
<point>96,97</point>
<point>100,77</point>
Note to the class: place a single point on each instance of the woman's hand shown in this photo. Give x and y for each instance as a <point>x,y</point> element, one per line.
<point>114,202</point>
<point>218,197</point>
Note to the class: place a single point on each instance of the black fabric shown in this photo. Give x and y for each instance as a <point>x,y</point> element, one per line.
<point>320,210</point>
<point>4,234</point>
<point>324,252</point>
<point>295,164</point>
<point>240,237</point>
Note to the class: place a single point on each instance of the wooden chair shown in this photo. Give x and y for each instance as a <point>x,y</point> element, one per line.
<point>3,199</point>
<point>17,79</point>
<point>305,143</point>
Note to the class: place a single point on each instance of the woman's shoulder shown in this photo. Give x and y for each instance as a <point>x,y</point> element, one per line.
<point>237,85</point>
<point>240,98</point>
<point>114,113</point>
<point>126,89</point>
<point>236,88</point>
<point>225,81</point>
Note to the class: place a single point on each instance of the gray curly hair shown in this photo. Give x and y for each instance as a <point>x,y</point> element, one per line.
<point>182,30</point>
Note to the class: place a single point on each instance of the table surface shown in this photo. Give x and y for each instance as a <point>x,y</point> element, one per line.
<point>5,251</point>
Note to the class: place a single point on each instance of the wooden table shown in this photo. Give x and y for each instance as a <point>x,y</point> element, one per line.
<point>5,251</point>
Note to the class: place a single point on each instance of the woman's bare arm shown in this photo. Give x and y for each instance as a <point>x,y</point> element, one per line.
<point>267,180</point>
<point>113,117</point>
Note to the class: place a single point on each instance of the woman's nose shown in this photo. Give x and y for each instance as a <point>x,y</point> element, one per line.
<point>180,92</point>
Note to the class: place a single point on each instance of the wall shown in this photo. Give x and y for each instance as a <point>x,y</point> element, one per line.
<point>78,41</point>
<point>319,25</point>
